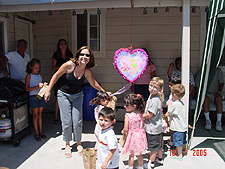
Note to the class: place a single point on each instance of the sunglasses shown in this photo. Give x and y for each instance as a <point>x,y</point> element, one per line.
<point>87,55</point>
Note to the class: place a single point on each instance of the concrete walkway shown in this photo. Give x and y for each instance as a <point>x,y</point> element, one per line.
<point>49,153</point>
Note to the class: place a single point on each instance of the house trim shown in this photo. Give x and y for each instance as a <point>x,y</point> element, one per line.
<point>98,4</point>
<point>98,54</point>
<point>30,35</point>
<point>4,20</point>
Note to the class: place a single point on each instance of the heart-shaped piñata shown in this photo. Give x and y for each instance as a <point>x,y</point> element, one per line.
<point>131,65</point>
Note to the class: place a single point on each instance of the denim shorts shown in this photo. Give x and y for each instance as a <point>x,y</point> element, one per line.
<point>179,138</point>
<point>35,102</point>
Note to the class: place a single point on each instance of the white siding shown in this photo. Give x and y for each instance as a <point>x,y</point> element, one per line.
<point>159,32</point>
<point>48,30</point>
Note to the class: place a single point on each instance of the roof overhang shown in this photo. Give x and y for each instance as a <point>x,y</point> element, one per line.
<point>43,5</point>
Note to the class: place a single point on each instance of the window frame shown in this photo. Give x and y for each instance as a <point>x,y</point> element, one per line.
<point>98,54</point>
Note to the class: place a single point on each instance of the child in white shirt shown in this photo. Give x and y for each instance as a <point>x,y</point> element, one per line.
<point>179,123</point>
<point>107,144</point>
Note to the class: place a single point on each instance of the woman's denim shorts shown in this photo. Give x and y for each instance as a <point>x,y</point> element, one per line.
<point>35,102</point>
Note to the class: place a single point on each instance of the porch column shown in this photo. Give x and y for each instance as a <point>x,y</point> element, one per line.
<point>185,54</point>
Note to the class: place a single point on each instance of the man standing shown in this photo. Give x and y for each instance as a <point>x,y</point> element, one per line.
<point>17,61</point>
<point>214,95</point>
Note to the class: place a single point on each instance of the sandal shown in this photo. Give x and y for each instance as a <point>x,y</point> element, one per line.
<point>43,136</point>
<point>177,158</point>
<point>68,153</point>
<point>80,150</point>
<point>37,137</point>
<point>55,121</point>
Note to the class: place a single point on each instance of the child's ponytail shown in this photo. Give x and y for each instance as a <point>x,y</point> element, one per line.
<point>31,64</point>
<point>28,68</point>
<point>135,99</point>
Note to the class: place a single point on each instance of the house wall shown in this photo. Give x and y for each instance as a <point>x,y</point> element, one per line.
<point>47,31</point>
<point>160,33</point>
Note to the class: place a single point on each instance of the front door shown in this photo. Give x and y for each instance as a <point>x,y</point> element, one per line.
<point>23,30</point>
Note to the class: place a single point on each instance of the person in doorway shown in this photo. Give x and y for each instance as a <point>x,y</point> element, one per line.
<point>17,61</point>
<point>70,95</point>
<point>62,55</point>
<point>214,95</point>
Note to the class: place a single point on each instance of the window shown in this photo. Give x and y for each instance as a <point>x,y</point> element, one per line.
<point>81,30</point>
<point>89,30</point>
<point>95,32</point>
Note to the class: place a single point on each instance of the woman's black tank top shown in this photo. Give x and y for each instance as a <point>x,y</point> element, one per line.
<point>72,85</point>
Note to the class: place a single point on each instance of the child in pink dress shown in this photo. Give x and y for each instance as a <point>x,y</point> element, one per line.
<point>101,99</point>
<point>136,142</point>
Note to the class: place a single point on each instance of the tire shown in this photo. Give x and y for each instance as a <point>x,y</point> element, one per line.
<point>16,142</point>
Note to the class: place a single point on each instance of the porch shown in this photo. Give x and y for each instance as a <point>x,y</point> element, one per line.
<point>49,153</point>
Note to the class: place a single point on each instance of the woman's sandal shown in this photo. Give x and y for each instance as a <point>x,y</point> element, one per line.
<point>80,150</point>
<point>37,137</point>
<point>43,136</point>
<point>68,153</point>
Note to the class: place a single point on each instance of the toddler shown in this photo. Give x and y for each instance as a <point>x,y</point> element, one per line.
<point>172,81</point>
<point>179,123</point>
<point>101,99</point>
<point>107,144</point>
<point>153,121</point>
<point>136,142</point>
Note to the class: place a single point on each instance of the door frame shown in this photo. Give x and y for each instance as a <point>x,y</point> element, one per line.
<point>4,20</point>
<point>30,35</point>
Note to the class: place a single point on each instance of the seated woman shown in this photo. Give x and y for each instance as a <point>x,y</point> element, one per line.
<point>177,72</point>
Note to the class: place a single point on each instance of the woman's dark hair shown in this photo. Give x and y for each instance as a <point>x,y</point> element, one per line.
<point>100,95</point>
<point>176,61</point>
<point>149,60</point>
<point>31,64</point>
<point>58,50</point>
<point>135,99</point>
<point>91,63</point>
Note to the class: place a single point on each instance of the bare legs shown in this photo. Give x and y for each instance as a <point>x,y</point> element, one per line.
<point>131,160</point>
<point>218,102</point>
<point>37,119</point>
<point>179,151</point>
<point>219,108</point>
<point>153,155</point>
